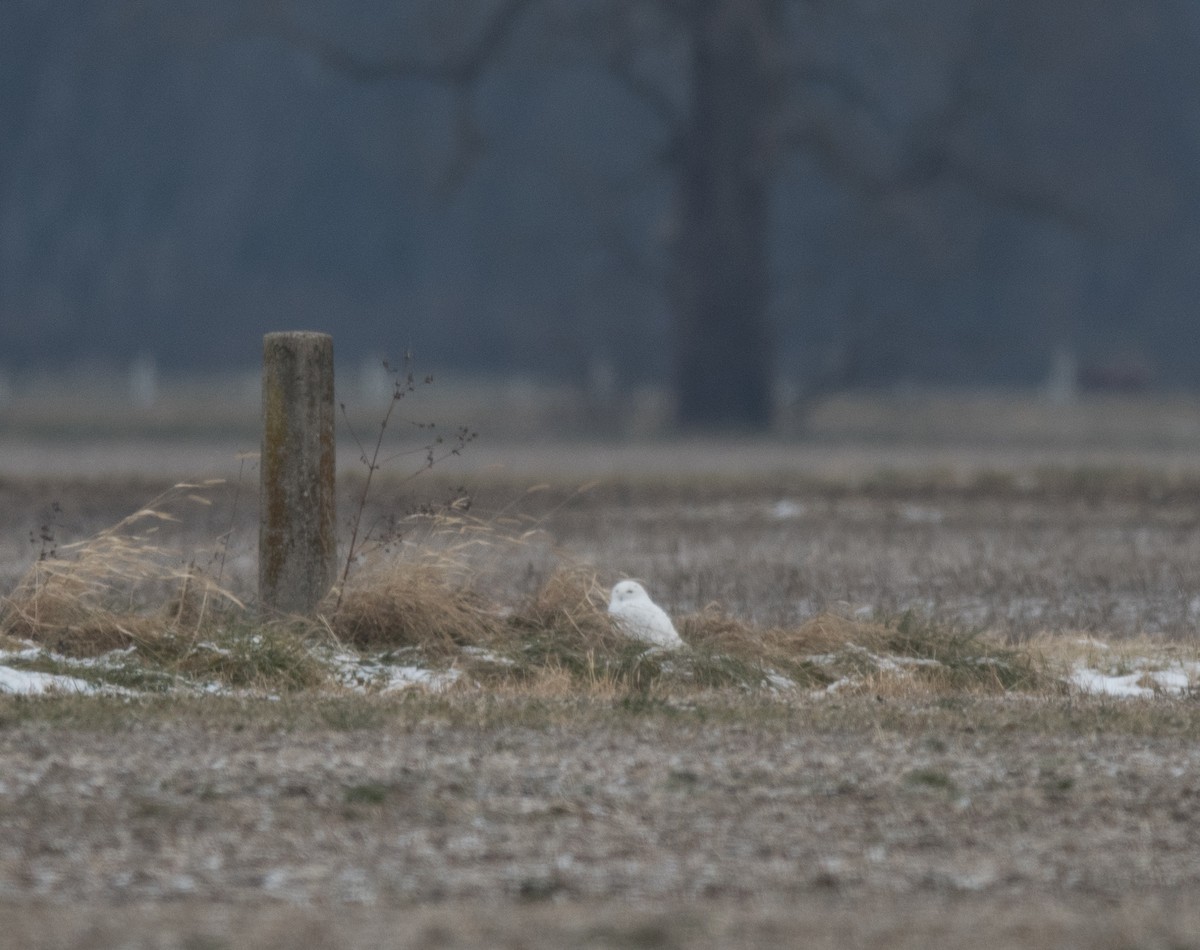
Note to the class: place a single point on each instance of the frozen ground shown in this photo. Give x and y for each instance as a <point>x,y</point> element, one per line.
<point>652,826</point>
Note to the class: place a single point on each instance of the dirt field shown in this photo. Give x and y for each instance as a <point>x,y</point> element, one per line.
<point>466,822</point>
<point>722,820</point>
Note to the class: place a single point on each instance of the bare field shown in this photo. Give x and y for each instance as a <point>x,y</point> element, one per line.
<point>642,820</point>
<point>469,821</point>
<point>1111,550</point>
<point>816,920</point>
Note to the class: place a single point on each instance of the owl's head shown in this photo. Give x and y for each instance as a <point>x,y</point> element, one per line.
<point>627,592</point>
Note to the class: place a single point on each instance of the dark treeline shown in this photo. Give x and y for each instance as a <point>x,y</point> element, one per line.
<point>956,189</point>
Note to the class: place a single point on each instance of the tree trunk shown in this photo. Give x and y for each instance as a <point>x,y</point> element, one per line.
<point>719,275</point>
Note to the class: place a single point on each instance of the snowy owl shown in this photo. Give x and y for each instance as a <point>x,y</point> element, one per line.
<point>640,617</point>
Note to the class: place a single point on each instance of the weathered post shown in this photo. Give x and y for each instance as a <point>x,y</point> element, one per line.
<point>297,545</point>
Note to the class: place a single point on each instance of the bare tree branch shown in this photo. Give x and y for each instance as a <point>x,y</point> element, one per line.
<point>469,144</point>
<point>850,142</point>
<point>460,73</point>
<point>620,64</point>
<point>463,69</point>
<point>623,31</point>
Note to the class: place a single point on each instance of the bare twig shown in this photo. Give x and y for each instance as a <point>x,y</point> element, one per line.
<point>237,494</point>
<point>401,386</point>
<point>461,70</point>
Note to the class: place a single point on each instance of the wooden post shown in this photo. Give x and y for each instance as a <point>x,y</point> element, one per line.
<point>297,543</point>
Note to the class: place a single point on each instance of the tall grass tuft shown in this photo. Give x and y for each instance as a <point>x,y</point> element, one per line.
<point>412,605</point>
<point>118,588</point>
<point>122,590</point>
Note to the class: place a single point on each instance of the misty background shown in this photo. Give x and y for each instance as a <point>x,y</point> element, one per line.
<point>695,194</point>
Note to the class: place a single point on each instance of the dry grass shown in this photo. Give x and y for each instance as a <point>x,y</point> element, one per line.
<point>117,589</point>
<point>563,633</point>
<point>901,656</point>
<point>448,590</point>
<point>1066,648</point>
<point>943,784</point>
<point>557,640</point>
<point>561,640</point>
<point>435,603</point>
<point>1158,664</point>
<point>123,595</point>
<point>412,605</point>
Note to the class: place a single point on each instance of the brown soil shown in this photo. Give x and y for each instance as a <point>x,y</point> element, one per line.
<point>598,824</point>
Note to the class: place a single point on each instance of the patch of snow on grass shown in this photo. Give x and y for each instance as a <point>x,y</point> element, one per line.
<point>1098,684</point>
<point>837,686</point>
<point>367,675</point>
<point>1144,684</point>
<point>888,662</point>
<point>1173,681</point>
<point>488,656</point>
<point>919,514</point>
<point>29,683</point>
<point>785,510</point>
<point>405,677</point>
<point>780,683</point>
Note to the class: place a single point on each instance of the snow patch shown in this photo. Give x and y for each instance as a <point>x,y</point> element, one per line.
<point>406,677</point>
<point>780,683</point>
<point>786,510</point>
<point>30,683</point>
<point>918,514</point>
<point>363,675</point>
<point>1175,680</point>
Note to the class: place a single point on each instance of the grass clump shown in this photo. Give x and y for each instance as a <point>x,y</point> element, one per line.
<point>962,660</point>
<point>408,605</point>
<point>118,609</point>
<point>564,631</point>
<point>128,615</point>
<point>562,640</point>
<point>932,779</point>
<point>273,656</point>
<point>367,793</point>
<point>830,651</point>
<point>115,590</point>
<point>728,651</point>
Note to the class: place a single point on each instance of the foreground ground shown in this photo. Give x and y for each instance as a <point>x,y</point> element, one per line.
<point>472,821</point>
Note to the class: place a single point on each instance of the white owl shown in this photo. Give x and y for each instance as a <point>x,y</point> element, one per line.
<point>641,618</point>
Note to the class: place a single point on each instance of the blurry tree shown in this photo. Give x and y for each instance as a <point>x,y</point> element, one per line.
<point>882,101</point>
<point>836,194</point>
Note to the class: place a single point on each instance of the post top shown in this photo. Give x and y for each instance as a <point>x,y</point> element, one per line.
<point>296,334</point>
